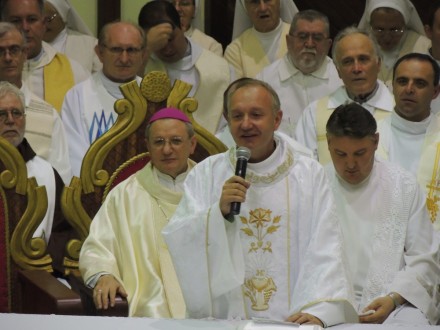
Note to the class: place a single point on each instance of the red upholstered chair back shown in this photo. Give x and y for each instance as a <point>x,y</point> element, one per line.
<point>22,207</point>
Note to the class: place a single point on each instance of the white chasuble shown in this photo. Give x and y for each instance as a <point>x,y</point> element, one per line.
<point>278,255</point>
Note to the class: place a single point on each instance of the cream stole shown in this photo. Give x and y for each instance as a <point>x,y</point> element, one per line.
<point>58,79</point>
<point>39,125</point>
<point>214,79</point>
<point>254,57</point>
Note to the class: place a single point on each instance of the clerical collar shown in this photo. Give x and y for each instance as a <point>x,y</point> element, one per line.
<point>26,151</point>
<point>411,127</point>
<point>185,63</point>
<point>110,86</point>
<point>365,97</point>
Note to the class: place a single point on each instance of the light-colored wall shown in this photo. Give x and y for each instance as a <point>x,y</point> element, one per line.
<point>88,10</point>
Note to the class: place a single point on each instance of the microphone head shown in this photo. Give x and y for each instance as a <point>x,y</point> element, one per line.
<point>243,152</point>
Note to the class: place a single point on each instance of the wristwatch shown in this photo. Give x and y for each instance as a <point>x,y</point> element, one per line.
<point>395,299</point>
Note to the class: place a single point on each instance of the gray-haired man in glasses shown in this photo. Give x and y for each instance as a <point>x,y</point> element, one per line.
<point>87,110</point>
<point>44,129</point>
<point>305,73</point>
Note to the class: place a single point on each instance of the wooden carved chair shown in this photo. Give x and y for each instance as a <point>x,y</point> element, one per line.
<point>26,285</point>
<point>122,150</point>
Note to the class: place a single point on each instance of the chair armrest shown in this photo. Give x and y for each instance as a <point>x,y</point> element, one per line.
<point>86,293</point>
<point>42,293</point>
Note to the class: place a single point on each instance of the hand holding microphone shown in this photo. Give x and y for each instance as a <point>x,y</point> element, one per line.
<point>243,154</point>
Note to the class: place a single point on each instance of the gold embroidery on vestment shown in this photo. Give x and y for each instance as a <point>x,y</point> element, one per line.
<point>260,287</point>
<point>433,188</point>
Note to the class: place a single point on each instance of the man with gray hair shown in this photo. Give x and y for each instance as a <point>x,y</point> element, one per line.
<point>53,229</point>
<point>44,129</point>
<point>357,60</point>
<point>48,74</point>
<point>305,73</point>
<point>88,108</point>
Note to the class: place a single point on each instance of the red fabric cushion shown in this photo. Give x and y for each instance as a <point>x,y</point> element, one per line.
<point>129,169</point>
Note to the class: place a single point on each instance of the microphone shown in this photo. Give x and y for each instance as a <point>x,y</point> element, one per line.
<point>243,154</point>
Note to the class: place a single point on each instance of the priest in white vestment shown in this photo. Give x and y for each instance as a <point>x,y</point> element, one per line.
<point>47,73</point>
<point>67,32</point>
<point>305,73</point>
<point>410,137</point>
<point>183,59</point>
<point>125,252</point>
<point>397,28</point>
<point>88,108</point>
<point>44,129</point>
<point>276,257</point>
<point>392,251</point>
<point>258,38</point>
<point>358,62</point>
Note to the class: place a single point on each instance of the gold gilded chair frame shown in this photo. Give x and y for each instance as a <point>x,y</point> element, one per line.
<point>123,141</point>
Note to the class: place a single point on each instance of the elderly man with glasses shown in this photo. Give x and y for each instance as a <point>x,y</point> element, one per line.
<point>87,110</point>
<point>53,229</point>
<point>305,73</point>
<point>397,28</point>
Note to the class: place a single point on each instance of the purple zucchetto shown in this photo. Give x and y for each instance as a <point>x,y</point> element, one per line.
<point>171,113</point>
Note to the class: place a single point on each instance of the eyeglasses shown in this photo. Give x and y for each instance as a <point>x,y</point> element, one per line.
<point>14,50</point>
<point>316,37</point>
<point>16,114</point>
<point>131,51</point>
<point>394,32</point>
<point>51,18</point>
<point>174,142</point>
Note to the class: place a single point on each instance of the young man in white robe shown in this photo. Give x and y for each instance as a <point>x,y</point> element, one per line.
<point>125,253</point>
<point>357,60</point>
<point>410,137</point>
<point>88,108</point>
<point>393,255</point>
<point>305,73</point>
<point>276,258</point>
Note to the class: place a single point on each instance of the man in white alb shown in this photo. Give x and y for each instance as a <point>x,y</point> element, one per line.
<point>410,137</point>
<point>276,258</point>
<point>88,108</point>
<point>391,249</point>
<point>357,60</point>
<point>47,73</point>
<point>305,73</point>
<point>185,60</point>
<point>44,128</point>
<point>258,39</point>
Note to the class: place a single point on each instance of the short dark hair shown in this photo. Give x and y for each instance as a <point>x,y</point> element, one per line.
<point>231,89</point>
<point>421,58</point>
<point>156,12</point>
<point>351,120</point>
<point>435,5</point>
<point>310,15</point>
<point>4,2</point>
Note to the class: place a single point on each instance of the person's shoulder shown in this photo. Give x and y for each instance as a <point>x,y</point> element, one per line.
<point>271,70</point>
<point>72,34</point>
<point>395,173</point>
